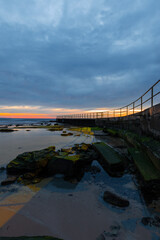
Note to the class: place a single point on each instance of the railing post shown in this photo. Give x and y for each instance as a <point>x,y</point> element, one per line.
<point>101,114</point>
<point>152,97</point>
<point>141,104</point>
<point>127,111</point>
<point>133,107</point>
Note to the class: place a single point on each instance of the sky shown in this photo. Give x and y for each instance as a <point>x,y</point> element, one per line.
<point>68,56</point>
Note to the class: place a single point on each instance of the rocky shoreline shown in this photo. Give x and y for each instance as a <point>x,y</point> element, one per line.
<point>30,168</point>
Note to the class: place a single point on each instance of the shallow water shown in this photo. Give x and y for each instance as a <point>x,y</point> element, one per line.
<point>14,143</point>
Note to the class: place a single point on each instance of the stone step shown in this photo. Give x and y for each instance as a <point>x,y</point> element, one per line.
<point>144,165</point>
<point>110,159</point>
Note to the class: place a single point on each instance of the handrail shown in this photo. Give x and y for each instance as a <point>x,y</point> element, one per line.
<point>120,112</point>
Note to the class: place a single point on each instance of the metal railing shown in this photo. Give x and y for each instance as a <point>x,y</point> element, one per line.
<point>133,108</point>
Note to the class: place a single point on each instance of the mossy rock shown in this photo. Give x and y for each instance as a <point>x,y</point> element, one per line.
<point>96,128</point>
<point>112,132</point>
<point>31,161</point>
<point>60,165</point>
<point>55,128</point>
<point>109,159</point>
<point>66,134</point>
<point>144,165</point>
<point>7,130</point>
<point>152,148</point>
<point>67,150</point>
<point>85,130</point>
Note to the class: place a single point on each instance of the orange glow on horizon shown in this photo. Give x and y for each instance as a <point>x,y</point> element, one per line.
<point>25,115</point>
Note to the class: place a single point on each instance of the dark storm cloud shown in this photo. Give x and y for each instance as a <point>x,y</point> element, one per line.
<point>77,54</point>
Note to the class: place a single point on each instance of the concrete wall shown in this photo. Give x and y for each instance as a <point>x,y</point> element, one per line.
<point>146,122</point>
<point>79,122</point>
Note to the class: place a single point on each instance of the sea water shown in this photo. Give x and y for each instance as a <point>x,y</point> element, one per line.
<point>24,121</point>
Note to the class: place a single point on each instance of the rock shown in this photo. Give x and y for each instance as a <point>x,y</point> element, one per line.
<point>73,180</point>
<point>36,180</point>
<point>29,175</point>
<point>93,169</point>
<point>67,150</point>
<point>9,180</point>
<point>114,230</point>
<point>113,233</point>
<point>66,134</point>
<point>31,167</point>
<point>70,195</point>
<point>115,200</point>
<point>70,134</point>
<point>60,165</point>
<point>101,237</point>
<point>31,161</point>
<point>2,168</point>
<point>7,130</point>
<point>55,128</point>
<point>151,221</point>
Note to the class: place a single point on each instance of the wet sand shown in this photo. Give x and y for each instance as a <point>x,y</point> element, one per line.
<point>71,211</point>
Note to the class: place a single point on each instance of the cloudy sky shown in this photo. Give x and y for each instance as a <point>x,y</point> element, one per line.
<point>68,55</point>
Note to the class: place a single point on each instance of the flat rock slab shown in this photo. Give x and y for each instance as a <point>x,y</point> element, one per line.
<point>9,180</point>
<point>145,166</point>
<point>110,158</point>
<point>115,200</point>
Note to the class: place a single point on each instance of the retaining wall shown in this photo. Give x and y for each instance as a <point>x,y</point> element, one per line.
<point>146,122</point>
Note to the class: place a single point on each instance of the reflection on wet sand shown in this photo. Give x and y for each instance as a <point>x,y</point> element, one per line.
<point>11,204</point>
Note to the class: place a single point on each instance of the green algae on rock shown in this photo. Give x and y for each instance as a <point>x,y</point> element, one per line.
<point>32,167</point>
<point>34,161</point>
<point>110,159</point>
<point>144,165</point>
<point>7,130</point>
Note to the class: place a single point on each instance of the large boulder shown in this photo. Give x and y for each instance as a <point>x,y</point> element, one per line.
<point>60,165</point>
<point>31,161</point>
<point>31,167</point>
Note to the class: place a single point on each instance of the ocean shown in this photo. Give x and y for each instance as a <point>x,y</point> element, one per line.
<point>24,121</point>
